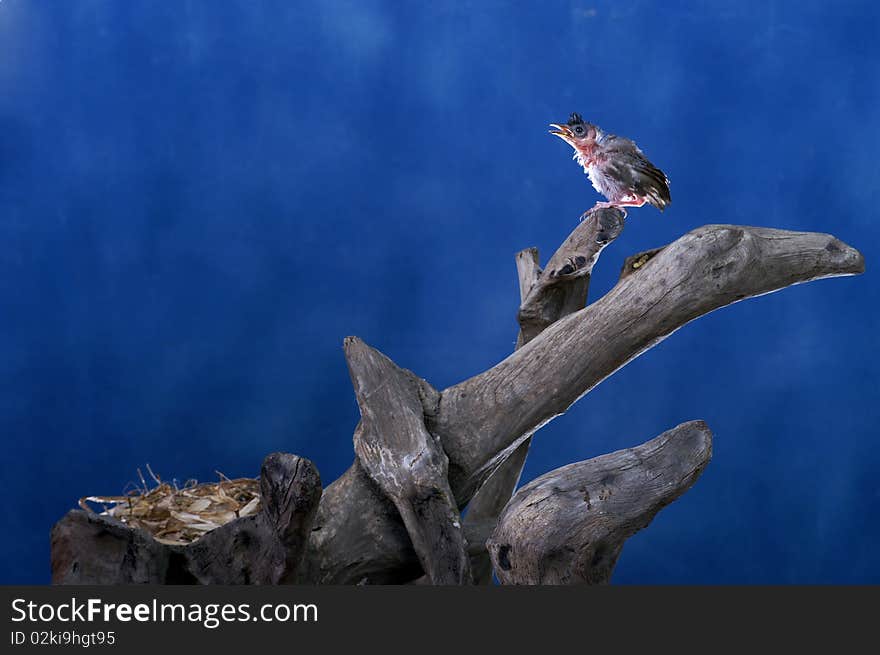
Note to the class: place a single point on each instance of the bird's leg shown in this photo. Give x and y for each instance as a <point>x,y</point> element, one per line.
<point>628,202</point>
<point>620,204</point>
<point>607,205</point>
<point>589,212</point>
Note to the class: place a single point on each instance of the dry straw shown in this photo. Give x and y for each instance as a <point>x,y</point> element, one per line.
<point>180,515</point>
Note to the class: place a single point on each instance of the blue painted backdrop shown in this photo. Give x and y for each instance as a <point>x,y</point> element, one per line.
<point>200,199</point>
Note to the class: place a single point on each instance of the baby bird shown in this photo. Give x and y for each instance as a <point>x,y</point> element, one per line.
<point>615,166</point>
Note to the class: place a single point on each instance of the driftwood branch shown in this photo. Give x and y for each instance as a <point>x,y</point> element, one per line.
<point>633,263</point>
<point>569,526</point>
<point>482,421</point>
<point>528,268</point>
<point>405,461</point>
<point>544,299</point>
<point>561,288</point>
<point>393,517</point>
<point>266,548</point>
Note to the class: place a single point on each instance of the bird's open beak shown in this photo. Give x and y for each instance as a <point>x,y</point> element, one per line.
<point>562,131</point>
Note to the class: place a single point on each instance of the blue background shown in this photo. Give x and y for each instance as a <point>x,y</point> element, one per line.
<point>200,199</point>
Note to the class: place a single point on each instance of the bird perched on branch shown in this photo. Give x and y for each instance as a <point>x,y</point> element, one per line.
<point>615,166</point>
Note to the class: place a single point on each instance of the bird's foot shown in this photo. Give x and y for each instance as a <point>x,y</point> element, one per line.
<point>601,205</point>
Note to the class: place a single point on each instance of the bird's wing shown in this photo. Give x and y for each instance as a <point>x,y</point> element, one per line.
<point>628,163</point>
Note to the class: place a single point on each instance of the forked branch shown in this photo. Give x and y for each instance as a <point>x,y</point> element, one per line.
<point>545,297</point>
<point>483,419</point>
<point>359,535</point>
<point>561,288</point>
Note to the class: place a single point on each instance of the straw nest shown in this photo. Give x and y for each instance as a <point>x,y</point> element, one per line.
<point>180,515</point>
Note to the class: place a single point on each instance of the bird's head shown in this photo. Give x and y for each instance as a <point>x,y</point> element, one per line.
<point>576,132</point>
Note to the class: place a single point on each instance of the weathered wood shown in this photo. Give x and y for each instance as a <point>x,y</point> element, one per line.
<point>528,269</point>
<point>484,419</point>
<point>291,489</point>
<point>569,525</point>
<point>90,549</point>
<point>488,503</point>
<point>266,548</point>
<point>476,534</point>
<point>561,288</point>
<point>634,263</point>
<point>406,462</point>
<point>562,291</point>
<point>358,536</point>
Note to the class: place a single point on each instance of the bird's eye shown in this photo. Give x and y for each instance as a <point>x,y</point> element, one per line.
<point>579,130</point>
